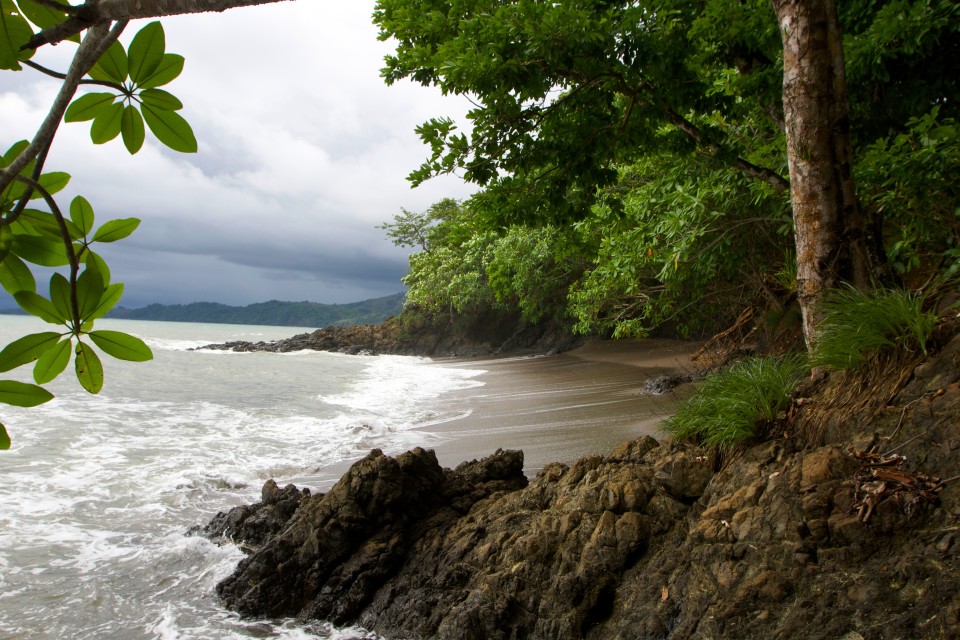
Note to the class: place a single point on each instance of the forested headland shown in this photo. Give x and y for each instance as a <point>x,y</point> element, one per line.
<point>272,313</point>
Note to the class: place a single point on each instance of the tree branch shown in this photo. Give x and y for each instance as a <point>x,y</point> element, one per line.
<point>98,38</point>
<point>769,176</point>
<point>93,12</point>
<point>67,243</point>
<point>63,76</point>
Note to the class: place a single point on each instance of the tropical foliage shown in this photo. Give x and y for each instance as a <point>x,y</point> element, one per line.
<point>36,230</point>
<point>633,161</point>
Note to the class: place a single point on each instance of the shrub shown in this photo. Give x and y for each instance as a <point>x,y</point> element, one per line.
<point>857,325</point>
<point>737,404</point>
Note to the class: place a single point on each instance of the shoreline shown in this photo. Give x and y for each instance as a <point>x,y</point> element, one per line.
<point>562,407</point>
<point>554,408</point>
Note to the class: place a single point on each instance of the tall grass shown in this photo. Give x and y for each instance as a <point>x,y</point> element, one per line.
<point>857,325</point>
<point>737,404</point>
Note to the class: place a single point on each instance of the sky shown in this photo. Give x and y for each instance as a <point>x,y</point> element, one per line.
<point>303,151</point>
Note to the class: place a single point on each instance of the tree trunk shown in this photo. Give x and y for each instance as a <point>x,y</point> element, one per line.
<point>828,224</point>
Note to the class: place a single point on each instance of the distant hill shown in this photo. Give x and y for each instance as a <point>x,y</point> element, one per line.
<point>274,312</point>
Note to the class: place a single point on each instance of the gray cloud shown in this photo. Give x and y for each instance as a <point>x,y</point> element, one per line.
<point>303,151</point>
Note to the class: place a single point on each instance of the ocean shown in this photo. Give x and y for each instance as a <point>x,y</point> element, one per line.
<point>97,492</point>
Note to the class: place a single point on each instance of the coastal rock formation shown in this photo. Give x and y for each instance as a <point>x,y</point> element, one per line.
<point>855,536</point>
<point>395,338</point>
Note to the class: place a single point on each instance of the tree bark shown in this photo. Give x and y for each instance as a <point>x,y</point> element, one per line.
<point>131,9</point>
<point>828,223</point>
<point>93,12</point>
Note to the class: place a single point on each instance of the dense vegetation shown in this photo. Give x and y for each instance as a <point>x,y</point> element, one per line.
<point>633,158</point>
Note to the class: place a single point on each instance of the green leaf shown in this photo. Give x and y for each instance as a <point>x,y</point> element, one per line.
<point>106,126</point>
<point>114,230</point>
<point>81,213</point>
<point>26,349</point>
<point>4,438</point>
<point>170,128</point>
<point>43,17</point>
<point>6,240</point>
<point>54,181</point>
<point>90,290</point>
<point>122,345</point>
<point>88,107</point>
<point>15,276</point>
<point>131,126</point>
<point>112,65</point>
<point>21,394</point>
<point>146,52</point>
<point>44,222</point>
<point>13,152</point>
<point>15,31</point>
<point>40,250</point>
<point>169,69</point>
<point>60,295</point>
<point>52,363</point>
<point>111,296</point>
<point>102,266</point>
<point>160,99</point>
<point>88,368</point>
<point>36,305</point>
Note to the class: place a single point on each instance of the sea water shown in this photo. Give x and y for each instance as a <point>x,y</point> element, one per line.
<point>98,492</point>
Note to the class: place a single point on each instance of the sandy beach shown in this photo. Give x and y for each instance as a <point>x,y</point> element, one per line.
<point>562,407</point>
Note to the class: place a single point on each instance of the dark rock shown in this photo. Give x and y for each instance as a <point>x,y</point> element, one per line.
<point>684,473</point>
<point>249,526</point>
<point>428,339</point>
<point>647,542</point>
<point>663,384</point>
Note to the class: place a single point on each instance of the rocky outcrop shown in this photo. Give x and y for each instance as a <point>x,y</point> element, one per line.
<point>398,336</point>
<point>647,542</point>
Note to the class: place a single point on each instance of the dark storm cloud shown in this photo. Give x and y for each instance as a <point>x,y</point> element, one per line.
<point>303,152</point>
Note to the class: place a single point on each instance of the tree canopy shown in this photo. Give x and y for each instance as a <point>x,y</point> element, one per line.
<point>791,96</point>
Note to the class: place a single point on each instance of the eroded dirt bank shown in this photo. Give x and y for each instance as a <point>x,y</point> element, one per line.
<point>845,525</point>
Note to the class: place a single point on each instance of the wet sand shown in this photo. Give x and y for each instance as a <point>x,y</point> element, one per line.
<point>560,408</point>
<point>554,408</point>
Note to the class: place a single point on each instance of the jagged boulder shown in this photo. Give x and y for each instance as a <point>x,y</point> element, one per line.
<point>249,526</point>
<point>339,548</point>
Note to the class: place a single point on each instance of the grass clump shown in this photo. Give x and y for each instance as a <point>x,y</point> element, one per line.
<point>737,404</point>
<point>857,325</point>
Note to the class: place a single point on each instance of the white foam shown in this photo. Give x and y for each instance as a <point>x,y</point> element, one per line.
<point>401,388</point>
<point>97,491</point>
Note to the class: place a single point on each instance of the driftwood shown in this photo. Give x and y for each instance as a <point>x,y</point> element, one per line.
<point>884,476</point>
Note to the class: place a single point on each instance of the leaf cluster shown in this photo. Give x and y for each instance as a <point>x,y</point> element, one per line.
<point>35,232</point>
<point>678,242</point>
<point>564,92</point>
<point>74,301</point>
<point>135,75</point>
<point>912,179</point>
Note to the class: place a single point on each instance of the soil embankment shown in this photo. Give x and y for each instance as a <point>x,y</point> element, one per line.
<point>845,525</point>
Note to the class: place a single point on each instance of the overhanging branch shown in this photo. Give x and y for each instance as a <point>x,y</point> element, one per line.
<point>93,12</point>
<point>769,176</point>
<point>98,38</point>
